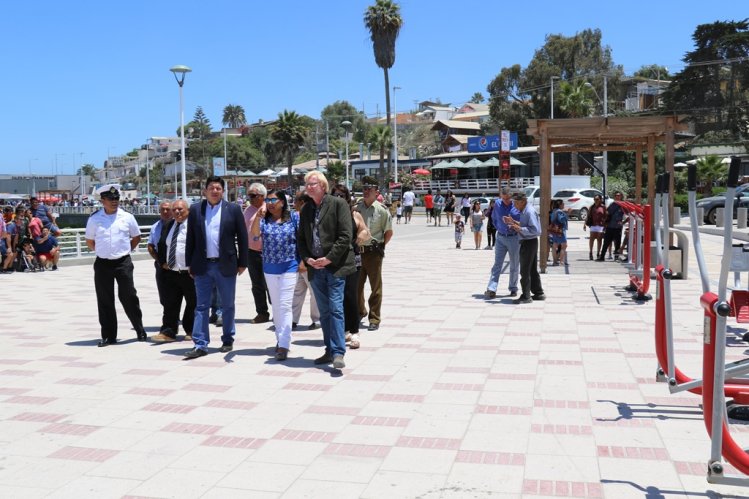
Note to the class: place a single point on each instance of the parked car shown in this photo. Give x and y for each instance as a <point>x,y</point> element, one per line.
<point>712,203</point>
<point>577,202</point>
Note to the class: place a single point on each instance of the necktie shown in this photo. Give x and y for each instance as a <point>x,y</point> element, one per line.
<point>172,260</point>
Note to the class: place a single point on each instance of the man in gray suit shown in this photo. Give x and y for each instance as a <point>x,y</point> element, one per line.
<point>324,244</point>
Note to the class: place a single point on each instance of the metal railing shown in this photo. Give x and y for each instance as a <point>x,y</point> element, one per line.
<point>87,210</point>
<point>472,184</point>
<point>72,242</point>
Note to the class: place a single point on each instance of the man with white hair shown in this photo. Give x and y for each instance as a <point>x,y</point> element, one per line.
<point>256,194</point>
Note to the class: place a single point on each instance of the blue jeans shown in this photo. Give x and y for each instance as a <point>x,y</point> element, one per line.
<point>328,291</point>
<point>226,287</point>
<point>505,245</point>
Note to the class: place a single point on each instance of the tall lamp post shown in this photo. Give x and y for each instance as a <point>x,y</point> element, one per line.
<point>605,104</point>
<point>395,134</point>
<point>345,125</point>
<point>179,75</point>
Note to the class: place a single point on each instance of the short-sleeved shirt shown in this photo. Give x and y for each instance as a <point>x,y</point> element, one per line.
<point>112,233</point>
<point>377,218</point>
<point>428,202</point>
<point>155,234</point>
<point>45,246</point>
<point>439,201</point>
<point>280,254</point>
<point>42,213</point>
<point>249,218</point>
<point>408,198</point>
<point>35,227</point>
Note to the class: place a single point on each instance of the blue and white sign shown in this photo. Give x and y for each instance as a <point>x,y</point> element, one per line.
<point>218,167</point>
<point>490,143</point>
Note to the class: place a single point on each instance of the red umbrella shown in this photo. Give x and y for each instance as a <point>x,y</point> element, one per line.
<point>421,171</point>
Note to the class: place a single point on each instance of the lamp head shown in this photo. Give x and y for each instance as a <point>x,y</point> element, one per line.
<point>179,73</point>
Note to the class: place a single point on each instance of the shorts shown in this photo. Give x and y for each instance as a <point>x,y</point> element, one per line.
<point>477,227</point>
<point>430,212</point>
<point>558,239</point>
<point>46,256</point>
<point>436,212</point>
<point>407,210</point>
<point>597,229</point>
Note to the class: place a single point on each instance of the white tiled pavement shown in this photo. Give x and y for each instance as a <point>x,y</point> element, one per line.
<point>453,397</point>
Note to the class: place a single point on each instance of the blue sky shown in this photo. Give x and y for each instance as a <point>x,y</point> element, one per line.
<point>84,79</point>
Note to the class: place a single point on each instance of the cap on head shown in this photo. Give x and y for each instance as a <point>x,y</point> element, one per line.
<point>519,196</point>
<point>109,191</point>
<point>369,181</point>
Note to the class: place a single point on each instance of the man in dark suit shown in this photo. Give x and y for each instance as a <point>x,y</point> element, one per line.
<point>324,244</point>
<point>215,252</point>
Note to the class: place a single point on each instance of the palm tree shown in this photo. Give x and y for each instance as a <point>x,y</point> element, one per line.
<point>382,137</point>
<point>288,134</point>
<point>384,22</point>
<point>711,168</point>
<point>576,101</point>
<point>234,116</point>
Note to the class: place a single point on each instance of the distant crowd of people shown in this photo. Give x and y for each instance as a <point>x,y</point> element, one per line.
<point>28,238</point>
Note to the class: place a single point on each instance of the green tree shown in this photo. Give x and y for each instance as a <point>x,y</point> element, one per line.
<point>384,22</point>
<point>339,111</point>
<point>200,118</point>
<point>234,116</point>
<point>477,98</point>
<point>713,88</point>
<point>336,172</point>
<point>288,134</point>
<point>709,170</point>
<point>653,72</point>
<point>381,137</point>
<point>87,169</point>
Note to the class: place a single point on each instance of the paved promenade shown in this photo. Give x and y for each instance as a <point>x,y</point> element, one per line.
<point>454,396</point>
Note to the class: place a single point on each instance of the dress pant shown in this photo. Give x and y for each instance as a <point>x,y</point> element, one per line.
<point>226,287</point>
<point>281,289</point>
<point>505,246</point>
<point>159,276</point>
<point>300,293</point>
<point>351,303</point>
<point>371,268</point>
<point>530,280</point>
<point>106,272</point>
<point>329,294</point>
<point>178,286</point>
<point>491,235</point>
<point>259,287</point>
<point>612,234</point>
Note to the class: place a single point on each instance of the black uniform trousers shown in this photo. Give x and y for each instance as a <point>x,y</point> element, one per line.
<point>530,280</point>
<point>106,272</point>
<point>178,286</point>
<point>259,288</point>
<point>351,303</point>
<point>612,234</point>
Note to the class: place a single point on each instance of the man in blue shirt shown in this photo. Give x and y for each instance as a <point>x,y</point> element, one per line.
<point>528,228</point>
<point>44,214</point>
<point>507,244</point>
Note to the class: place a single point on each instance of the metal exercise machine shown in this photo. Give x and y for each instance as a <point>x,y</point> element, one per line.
<point>638,248</point>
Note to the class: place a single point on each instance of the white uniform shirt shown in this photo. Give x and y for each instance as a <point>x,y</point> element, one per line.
<point>112,233</point>
<point>181,237</point>
<point>212,225</point>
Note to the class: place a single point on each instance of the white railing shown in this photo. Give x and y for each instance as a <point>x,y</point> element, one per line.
<point>72,242</point>
<point>87,210</point>
<point>484,185</point>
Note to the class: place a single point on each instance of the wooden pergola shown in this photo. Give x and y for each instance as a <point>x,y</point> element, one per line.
<point>603,134</point>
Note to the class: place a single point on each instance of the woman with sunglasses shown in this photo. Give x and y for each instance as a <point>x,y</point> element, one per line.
<point>278,227</point>
<point>351,294</point>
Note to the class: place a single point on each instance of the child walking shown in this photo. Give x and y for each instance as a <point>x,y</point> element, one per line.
<point>459,229</point>
<point>398,212</point>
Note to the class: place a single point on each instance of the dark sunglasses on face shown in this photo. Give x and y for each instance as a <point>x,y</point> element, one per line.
<point>271,200</point>
<point>339,195</point>
<point>253,196</point>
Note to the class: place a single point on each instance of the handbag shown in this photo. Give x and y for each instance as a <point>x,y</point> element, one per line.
<point>555,229</point>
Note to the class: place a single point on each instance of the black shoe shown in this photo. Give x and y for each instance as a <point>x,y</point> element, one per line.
<point>226,347</point>
<point>338,362</point>
<point>106,342</point>
<point>293,326</point>
<point>142,336</point>
<point>373,327</point>
<point>490,294</point>
<point>540,297</point>
<point>54,267</point>
<point>590,256</point>
<point>260,319</point>
<point>212,319</point>
<point>522,300</point>
<point>195,353</point>
<point>513,293</point>
<point>325,359</point>
<point>600,259</point>
<point>312,326</point>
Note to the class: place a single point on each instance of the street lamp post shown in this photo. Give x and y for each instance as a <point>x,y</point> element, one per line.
<point>345,125</point>
<point>179,75</point>
<point>395,135</point>
<point>552,117</point>
<point>605,104</point>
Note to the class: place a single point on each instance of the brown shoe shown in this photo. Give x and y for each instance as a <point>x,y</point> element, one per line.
<point>162,338</point>
<point>188,337</point>
<point>260,319</point>
<point>282,353</point>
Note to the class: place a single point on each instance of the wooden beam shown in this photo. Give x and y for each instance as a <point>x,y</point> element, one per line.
<point>543,208</point>
<point>638,175</point>
<point>651,171</point>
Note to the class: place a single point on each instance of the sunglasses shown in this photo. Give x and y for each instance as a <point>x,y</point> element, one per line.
<point>253,196</point>
<point>272,200</point>
<point>339,195</point>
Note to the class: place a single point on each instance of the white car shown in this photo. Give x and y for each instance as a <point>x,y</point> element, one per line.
<point>577,202</point>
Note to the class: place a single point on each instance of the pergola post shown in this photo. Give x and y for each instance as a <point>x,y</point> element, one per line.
<point>545,177</point>
<point>651,169</point>
<point>669,143</point>
<point>638,175</point>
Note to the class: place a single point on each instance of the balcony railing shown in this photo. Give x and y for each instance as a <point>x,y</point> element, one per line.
<point>472,185</point>
<point>72,243</point>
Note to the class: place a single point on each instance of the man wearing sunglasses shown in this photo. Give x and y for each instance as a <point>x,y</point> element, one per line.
<point>257,193</point>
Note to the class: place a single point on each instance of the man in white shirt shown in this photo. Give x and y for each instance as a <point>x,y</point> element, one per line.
<point>409,198</point>
<point>178,284</point>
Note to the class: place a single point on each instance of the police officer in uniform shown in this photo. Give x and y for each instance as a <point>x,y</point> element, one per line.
<point>112,234</point>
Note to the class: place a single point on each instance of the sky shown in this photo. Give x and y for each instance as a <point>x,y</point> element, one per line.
<point>88,79</point>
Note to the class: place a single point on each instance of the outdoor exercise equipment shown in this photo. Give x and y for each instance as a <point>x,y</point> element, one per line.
<point>638,248</point>
<point>716,311</point>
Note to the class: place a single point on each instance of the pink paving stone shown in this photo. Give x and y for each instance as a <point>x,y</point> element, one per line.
<point>230,404</point>
<point>90,365</point>
<point>674,401</point>
<point>414,335</point>
<point>380,421</point>
<point>578,489</point>
<point>191,428</point>
<point>69,429</point>
<point>502,409</point>
<point>59,358</point>
<point>445,340</point>
<point>233,442</point>
<point>172,408</point>
<point>561,488</point>
<point>39,417</point>
<point>561,404</point>
<point>307,387</point>
<point>613,385</point>
<point>513,376</point>
<point>594,490</point>
<point>155,392</point>
<point>561,342</point>
<point>467,370</point>
<point>545,487</point>
<point>30,400</point>
<point>530,486</point>
<point>357,450</point>
<point>550,362</point>
<point>369,377</point>
<point>304,436</point>
<point>518,352</point>
<point>395,397</point>
<point>429,443</point>
<point>197,387</point>
<point>446,351</point>
<point>146,372</point>
<point>497,458</point>
<point>459,387</point>
<point>400,345</point>
<point>18,372</point>
<point>14,362</point>
<point>626,423</point>
<point>13,391</point>
<point>34,345</point>
<point>327,409</point>
<point>601,350</point>
<point>283,374</point>
<point>84,454</point>
<point>78,381</point>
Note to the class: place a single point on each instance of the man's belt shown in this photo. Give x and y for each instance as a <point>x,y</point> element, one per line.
<point>509,234</point>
